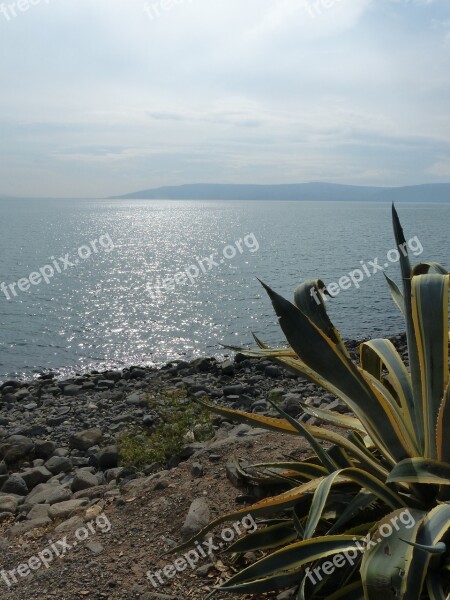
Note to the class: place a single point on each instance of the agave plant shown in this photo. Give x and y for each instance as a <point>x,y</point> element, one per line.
<point>391,460</point>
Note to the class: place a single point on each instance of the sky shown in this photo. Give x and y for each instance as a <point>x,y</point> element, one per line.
<point>104,97</point>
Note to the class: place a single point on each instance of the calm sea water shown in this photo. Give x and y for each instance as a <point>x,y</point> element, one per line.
<point>99,313</point>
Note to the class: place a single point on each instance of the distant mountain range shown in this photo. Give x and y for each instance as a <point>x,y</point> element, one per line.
<point>434,192</point>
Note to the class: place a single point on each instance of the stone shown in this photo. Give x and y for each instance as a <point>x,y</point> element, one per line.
<point>66,509</point>
<point>197,518</point>
<point>44,448</point>
<point>59,464</point>
<point>138,373</point>
<point>197,470</point>
<point>233,390</point>
<point>70,525</point>
<point>59,494</point>
<point>35,476</point>
<point>9,504</point>
<point>105,384</point>
<point>41,492</point>
<point>71,390</point>
<point>227,367</point>
<point>291,404</point>
<point>137,399</point>
<point>83,440</point>
<point>203,570</point>
<point>39,511</point>
<point>24,526</point>
<point>234,476</point>
<point>83,480</point>
<point>95,547</point>
<point>108,458</point>
<point>15,485</point>
<point>16,448</point>
<point>272,371</point>
<point>114,474</point>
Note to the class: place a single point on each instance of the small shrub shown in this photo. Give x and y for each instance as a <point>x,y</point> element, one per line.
<point>181,421</point>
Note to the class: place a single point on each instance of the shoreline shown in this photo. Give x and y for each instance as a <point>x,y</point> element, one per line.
<point>61,373</point>
<point>59,456</point>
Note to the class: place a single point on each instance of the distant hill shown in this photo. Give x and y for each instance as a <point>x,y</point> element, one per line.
<point>434,192</point>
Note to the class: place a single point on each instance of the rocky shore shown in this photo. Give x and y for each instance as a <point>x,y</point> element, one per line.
<point>58,439</point>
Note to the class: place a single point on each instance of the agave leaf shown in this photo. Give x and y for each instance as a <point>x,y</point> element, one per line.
<point>308,299</point>
<point>361,501</point>
<point>263,353</point>
<point>440,548</point>
<point>298,516</point>
<point>434,527</point>
<point>287,426</point>
<point>318,503</point>
<point>267,506</point>
<point>398,377</point>
<point>393,412</point>
<point>426,267</point>
<point>421,470</point>
<point>376,487</point>
<point>354,591</point>
<point>334,418</point>
<point>396,294</point>
<point>289,560</point>
<point>385,565</point>
<point>269,423</point>
<point>430,318</point>
<point>324,458</point>
<point>443,427</point>
<point>340,457</point>
<point>414,365</point>
<point>382,395</point>
<point>273,582</point>
<point>321,354</point>
<point>265,538</point>
<point>302,469</point>
<point>434,587</point>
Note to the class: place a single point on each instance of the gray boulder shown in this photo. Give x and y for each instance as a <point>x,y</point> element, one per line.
<point>108,458</point>
<point>16,448</point>
<point>198,517</point>
<point>15,485</point>
<point>83,480</point>
<point>35,476</point>
<point>84,440</point>
<point>64,510</point>
<point>8,504</point>
<point>59,464</point>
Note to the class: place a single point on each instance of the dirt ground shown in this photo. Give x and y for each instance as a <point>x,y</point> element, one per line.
<point>144,523</point>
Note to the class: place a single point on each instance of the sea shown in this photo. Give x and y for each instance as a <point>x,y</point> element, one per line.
<point>105,284</point>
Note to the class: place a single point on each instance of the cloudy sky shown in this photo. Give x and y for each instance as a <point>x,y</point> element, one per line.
<point>102,97</point>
